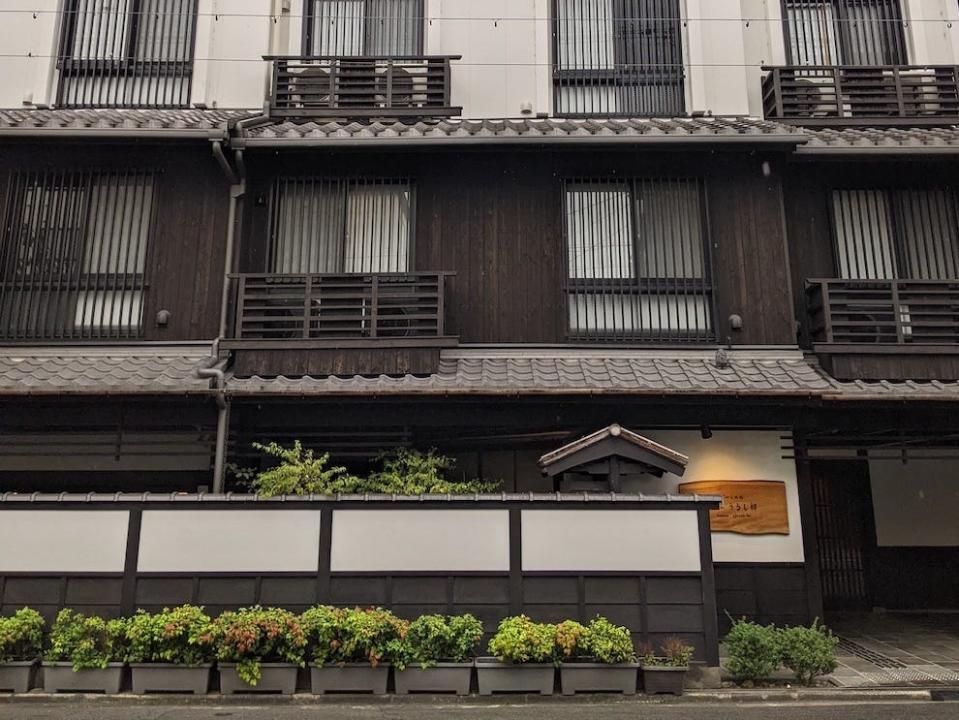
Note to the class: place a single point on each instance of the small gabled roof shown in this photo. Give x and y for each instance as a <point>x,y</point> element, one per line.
<point>614,440</point>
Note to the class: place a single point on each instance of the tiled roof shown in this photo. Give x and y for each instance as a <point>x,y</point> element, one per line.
<point>893,140</point>
<point>716,129</point>
<point>570,372</point>
<point>574,372</point>
<point>88,121</point>
<point>127,370</point>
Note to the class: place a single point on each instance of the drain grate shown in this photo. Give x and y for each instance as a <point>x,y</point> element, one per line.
<point>864,653</point>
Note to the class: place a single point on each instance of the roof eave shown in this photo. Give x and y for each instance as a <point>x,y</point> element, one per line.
<point>788,140</point>
<point>116,133</point>
<point>840,152</point>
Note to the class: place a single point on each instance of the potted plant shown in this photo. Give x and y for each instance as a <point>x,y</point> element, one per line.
<point>596,658</point>
<point>21,642</point>
<point>259,650</point>
<point>666,673</point>
<point>437,655</point>
<point>171,651</point>
<point>86,654</point>
<point>523,661</point>
<point>351,650</point>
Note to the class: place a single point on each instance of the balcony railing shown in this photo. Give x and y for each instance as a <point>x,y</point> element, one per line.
<point>890,312</point>
<point>335,87</point>
<point>873,95</point>
<point>375,306</point>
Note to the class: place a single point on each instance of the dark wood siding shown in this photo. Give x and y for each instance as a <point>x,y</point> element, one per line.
<point>495,219</point>
<point>186,268</point>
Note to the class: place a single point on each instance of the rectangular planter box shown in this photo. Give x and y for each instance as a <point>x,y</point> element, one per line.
<point>441,678</point>
<point>17,677</point>
<point>664,680</point>
<point>494,676</point>
<point>598,677</point>
<point>168,678</point>
<point>60,677</point>
<point>275,678</point>
<point>349,678</point>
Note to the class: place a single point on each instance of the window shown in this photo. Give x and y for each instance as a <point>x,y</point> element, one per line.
<point>896,234</point>
<point>844,32</point>
<point>637,260</point>
<point>364,27</point>
<point>618,57</point>
<point>126,53</point>
<point>329,226</point>
<point>74,254</point>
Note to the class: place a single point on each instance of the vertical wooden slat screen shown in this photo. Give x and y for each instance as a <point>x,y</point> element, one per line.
<point>637,260</point>
<point>364,27</point>
<point>618,58</point>
<point>74,254</point>
<point>126,53</point>
<point>844,32</point>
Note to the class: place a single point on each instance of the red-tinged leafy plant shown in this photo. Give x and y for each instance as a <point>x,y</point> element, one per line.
<point>252,636</point>
<point>338,636</point>
<point>183,636</point>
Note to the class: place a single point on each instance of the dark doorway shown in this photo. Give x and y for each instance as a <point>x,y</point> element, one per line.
<point>845,530</point>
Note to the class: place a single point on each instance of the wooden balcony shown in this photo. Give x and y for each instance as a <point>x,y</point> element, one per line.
<point>344,324</point>
<point>885,329</point>
<point>361,87</point>
<point>880,95</point>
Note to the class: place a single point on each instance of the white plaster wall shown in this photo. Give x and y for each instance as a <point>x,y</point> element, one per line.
<point>28,46</point>
<point>232,37</point>
<point>229,541</point>
<point>420,540</point>
<point>931,39</point>
<point>735,455</point>
<point>611,541</point>
<point>763,46</point>
<point>916,504</point>
<point>60,541</point>
<point>716,56</point>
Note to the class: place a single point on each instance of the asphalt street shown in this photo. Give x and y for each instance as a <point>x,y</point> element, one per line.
<point>91,710</point>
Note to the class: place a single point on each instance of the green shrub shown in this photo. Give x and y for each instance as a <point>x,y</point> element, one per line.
<point>608,643</point>
<point>808,651</point>
<point>520,640</point>
<point>21,636</point>
<point>255,635</point>
<point>432,639</point>
<point>183,636</point>
<point>337,636</point>
<point>404,472</point>
<point>87,642</point>
<point>299,472</point>
<point>753,652</point>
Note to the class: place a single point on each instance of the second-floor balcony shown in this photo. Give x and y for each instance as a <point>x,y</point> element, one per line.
<point>822,95</point>
<point>362,87</point>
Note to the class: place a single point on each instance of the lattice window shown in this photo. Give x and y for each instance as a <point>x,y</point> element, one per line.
<point>845,32</point>
<point>127,53</point>
<point>364,27</point>
<point>74,254</point>
<point>618,58</point>
<point>638,261</point>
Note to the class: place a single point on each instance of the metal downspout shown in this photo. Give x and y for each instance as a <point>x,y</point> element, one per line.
<point>222,421</point>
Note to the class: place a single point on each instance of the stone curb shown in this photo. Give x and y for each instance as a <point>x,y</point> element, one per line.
<point>307,699</point>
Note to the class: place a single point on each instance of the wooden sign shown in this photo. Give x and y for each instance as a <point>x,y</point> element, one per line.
<point>750,507</point>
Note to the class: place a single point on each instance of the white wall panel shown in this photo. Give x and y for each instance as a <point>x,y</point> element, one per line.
<point>611,540</point>
<point>230,541</point>
<point>63,540</point>
<point>420,540</point>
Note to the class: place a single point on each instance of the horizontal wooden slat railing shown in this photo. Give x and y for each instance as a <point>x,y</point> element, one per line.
<point>866,95</point>
<point>324,86</point>
<point>893,312</point>
<point>375,306</point>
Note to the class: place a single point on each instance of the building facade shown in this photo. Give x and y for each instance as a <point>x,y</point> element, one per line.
<point>492,228</point>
